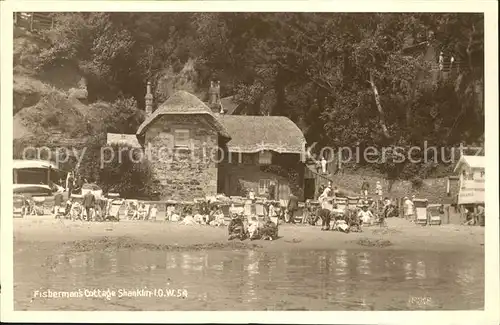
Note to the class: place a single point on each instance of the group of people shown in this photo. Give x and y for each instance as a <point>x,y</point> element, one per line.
<point>208,213</point>
<point>89,208</point>
<point>141,211</point>
<point>476,217</point>
<point>73,183</point>
<point>321,165</point>
<point>365,188</point>
<point>254,229</point>
<point>353,219</point>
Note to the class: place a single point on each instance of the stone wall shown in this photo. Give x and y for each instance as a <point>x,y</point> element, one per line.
<point>183,173</point>
<point>432,189</point>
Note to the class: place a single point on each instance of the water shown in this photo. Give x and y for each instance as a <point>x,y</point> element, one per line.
<point>252,280</point>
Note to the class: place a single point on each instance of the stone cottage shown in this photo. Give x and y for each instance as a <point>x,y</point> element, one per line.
<point>196,150</point>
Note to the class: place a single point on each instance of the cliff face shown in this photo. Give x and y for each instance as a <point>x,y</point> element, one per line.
<point>50,107</point>
<point>40,107</point>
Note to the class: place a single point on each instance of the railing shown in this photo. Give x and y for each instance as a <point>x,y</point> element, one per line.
<point>448,66</point>
<point>34,20</point>
<point>323,179</point>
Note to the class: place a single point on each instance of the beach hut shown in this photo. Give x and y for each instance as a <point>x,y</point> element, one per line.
<point>470,170</point>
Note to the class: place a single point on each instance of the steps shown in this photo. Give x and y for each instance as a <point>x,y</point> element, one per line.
<point>323,179</point>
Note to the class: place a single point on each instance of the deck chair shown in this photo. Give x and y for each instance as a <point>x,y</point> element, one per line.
<point>300,215</point>
<point>247,209</point>
<point>227,215</point>
<point>260,210</point>
<point>143,213</point>
<point>421,211</point>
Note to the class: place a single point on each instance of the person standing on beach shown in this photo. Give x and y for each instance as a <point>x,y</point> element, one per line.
<point>70,182</point>
<point>365,188</point>
<point>408,209</point>
<point>58,202</point>
<point>324,197</point>
<point>387,206</point>
<point>88,204</point>
<point>293,205</point>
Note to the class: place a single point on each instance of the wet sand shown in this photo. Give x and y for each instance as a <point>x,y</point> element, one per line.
<point>424,266</point>
<point>399,235</point>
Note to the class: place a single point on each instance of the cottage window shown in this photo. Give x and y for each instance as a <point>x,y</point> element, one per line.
<point>181,138</point>
<point>264,186</point>
<point>265,157</point>
<point>248,159</point>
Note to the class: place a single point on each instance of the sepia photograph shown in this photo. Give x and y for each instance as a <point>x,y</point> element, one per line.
<point>249,161</point>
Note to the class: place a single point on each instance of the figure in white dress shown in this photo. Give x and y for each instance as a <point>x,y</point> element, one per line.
<point>323,165</point>
<point>378,188</point>
<point>324,197</point>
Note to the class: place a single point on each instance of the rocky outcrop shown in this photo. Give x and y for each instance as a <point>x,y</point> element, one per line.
<point>27,92</point>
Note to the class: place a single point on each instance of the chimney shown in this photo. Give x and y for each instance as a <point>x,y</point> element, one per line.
<point>149,100</point>
<point>214,97</point>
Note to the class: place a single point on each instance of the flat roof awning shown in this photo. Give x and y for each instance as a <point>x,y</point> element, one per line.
<point>32,163</point>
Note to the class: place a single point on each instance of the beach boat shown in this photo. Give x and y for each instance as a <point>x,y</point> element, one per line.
<point>434,214</point>
<point>421,211</point>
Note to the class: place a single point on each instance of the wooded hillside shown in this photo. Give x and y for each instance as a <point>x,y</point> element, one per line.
<point>345,79</point>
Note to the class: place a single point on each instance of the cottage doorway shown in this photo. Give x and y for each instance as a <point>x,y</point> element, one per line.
<point>309,188</point>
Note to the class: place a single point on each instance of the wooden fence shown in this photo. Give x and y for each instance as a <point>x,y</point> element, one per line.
<point>34,21</point>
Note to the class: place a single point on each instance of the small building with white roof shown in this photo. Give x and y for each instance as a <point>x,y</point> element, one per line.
<point>470,170</point>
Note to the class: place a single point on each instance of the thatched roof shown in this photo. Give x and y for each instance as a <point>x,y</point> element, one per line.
<point>251,134</point>
<point>179,103</point>
<point>123,139</point>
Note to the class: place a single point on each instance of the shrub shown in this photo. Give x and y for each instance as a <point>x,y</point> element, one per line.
<point>127,174</point>
<point>416,182</point>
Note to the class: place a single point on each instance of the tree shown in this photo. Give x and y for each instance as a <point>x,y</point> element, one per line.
<point>344,78</point>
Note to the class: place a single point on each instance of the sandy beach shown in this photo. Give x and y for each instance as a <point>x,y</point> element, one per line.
<point>399,235</point>
<point>423,263</point>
